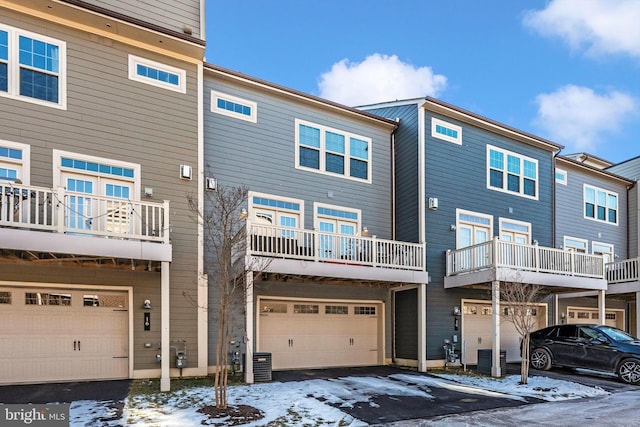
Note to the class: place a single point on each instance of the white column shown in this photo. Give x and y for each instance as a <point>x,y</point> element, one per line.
<point>637,314</point>
<point>164,325</point>
<point>556,310</point>
<point>422,327</point>
<point>601,304</point>
<point>249,318</point>
<point>495,308</point>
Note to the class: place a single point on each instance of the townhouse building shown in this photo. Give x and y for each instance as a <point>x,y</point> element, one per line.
<point>100,265</point>
<point>480,194</point>
<point>319,220</point>
<point>592,216</point>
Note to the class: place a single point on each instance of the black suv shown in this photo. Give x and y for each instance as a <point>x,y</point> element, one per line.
<point>601,348</point>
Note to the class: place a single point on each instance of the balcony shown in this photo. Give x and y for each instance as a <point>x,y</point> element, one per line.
<point>314,253</point>
<point>623,276</point>
<point>507,261</point>
<point>40,219</point>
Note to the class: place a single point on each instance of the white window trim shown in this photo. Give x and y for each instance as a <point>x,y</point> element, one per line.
<point>565,178</point>
<point>604,245</point>
<point>133,75</point>
<point>13,68</point>
<point>58,169</point>
<point>435,122</point>
<point>608,193</point>
<point>252,194</point>
<point>317,218</point>
<point>323,151</point>
<point>472,213</point>
<point>215,95</point>
<point>504,188</point>
<point>502,221</point>
<point>25,163</point>
<point>577,239</point>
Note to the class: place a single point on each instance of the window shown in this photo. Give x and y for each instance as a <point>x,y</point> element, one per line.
<point>365,310</point>
<point>561,176</point>
<point>604,249</point>
<point>86,179</point>
<point>600,205</point>
<point>446,131</point>
<point>515,231</point>
<point>14,162</point>
<point>305,308</point>
<point>331,151</point>
<point>512,173</point>
<point>269,210</point>
<point>44,298</point>
<point>345,222</point>
<point>472,228</point>
<point>273,307</point>
<point>32,67</point>
<point>157,74</point>
<point>575,244</point>
<point>232,106</point>
<point>104,300</point>
<point>336,309</point>
<point>5,297</point>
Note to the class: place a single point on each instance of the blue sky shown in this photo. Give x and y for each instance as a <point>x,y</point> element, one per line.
<point>565,70</point>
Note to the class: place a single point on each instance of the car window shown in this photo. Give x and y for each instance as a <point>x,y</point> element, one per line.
<point>617,334</point>
<point>588,333</point>
<point>567,331</point>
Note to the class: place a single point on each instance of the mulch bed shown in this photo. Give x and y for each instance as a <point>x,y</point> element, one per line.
<point>232,415</point>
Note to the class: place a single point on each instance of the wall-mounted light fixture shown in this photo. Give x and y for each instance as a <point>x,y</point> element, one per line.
<point>243,213</point>
<point>433,203</point>
<point>148,192</point>
<point>185,172</point>
<point>456,311</point>
<point>211,184</point>
<point>452,227</point>
<point>147,304</point>
<point>365,231</point>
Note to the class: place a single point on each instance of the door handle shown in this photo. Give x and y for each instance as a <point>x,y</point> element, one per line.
<point>78,345</point>
<point>74,345</point>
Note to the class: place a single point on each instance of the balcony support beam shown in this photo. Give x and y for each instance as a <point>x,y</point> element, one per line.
<point>165,383</point>
<point>496,370</point>
<point>637,331</point>
<point>249,319</point>
<point>422,327</point>
<point>601,306</point>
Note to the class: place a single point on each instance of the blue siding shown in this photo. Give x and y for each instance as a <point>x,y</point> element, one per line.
<point>570,220</point>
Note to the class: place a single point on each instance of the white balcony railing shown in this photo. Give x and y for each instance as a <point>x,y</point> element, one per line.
<point>43,209</point>
<point>295,243</point>
<point>623,271</point>
<point>498,253</point>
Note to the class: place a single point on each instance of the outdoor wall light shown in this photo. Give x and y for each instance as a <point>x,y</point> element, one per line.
<point>456,311</point>
<point>243,213</point>
<point>365,231</point>
<point>147,304</point>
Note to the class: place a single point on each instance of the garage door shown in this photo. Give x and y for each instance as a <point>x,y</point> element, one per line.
<point>613,318</point>
<point>62,334</point>
<point>313,334</point>
<point>478,331</point>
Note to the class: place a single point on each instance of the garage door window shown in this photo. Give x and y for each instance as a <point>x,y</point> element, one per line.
<point>336,309</point>
<point>365,310</point>
<point>305,308</point>
<point>5,297</point>
<point>272,307</point>
<point>109,301</point>
<point>44,298</point>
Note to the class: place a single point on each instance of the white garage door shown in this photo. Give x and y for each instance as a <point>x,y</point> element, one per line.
<point>313,334</point>
<point>613,318</point>
<point>62,334</point>
<point>478,331</point>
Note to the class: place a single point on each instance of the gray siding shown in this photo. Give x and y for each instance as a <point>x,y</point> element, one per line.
<point>110,116</point>
<point>261,156</point>
<point>406,171</point>
<point>569,212</point>
<point>406,324</point>
<point>174,15</point>
<point>631,169</point>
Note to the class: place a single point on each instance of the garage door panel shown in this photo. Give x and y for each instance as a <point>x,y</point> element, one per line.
<point>55,337</point>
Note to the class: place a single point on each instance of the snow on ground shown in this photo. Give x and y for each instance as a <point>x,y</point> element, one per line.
<point>313,402</point>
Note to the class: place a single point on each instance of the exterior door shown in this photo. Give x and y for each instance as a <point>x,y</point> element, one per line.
<point>80,205</point>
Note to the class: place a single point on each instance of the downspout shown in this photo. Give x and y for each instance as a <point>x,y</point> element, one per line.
<point>393,181</point>
<point>556,311</point>
<point>421,175</point>
<point>203,283</point>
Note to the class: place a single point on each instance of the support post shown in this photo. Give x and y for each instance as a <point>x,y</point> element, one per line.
<point>249,319</point>
<point>496,370</point>
<point>601,306</point>
<point>422,327</point>
<point>165,383</point>
<point>637,331</point>
<point>556,310</point>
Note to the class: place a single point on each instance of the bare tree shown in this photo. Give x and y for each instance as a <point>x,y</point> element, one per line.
<point>225,240</point>
<point>519,300</point>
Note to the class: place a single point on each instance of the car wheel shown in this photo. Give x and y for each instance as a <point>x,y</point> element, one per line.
<point>540,359</point>
<point>629,371</point>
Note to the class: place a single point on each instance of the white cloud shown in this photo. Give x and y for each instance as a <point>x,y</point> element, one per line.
<point>378,78</point>
<point>579,118</point>
<point>597,26</point>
